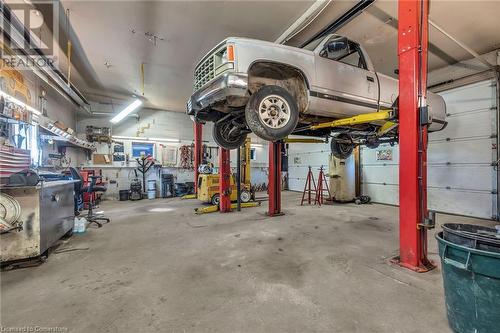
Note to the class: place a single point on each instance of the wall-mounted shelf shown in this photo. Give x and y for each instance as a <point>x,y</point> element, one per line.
<point>12,120</point>
<point>63,138</point>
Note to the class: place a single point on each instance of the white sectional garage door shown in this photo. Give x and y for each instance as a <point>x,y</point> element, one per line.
<point>302,155</point>
<point>461,178</point>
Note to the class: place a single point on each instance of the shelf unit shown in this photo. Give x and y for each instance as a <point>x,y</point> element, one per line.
<point>64,138</point>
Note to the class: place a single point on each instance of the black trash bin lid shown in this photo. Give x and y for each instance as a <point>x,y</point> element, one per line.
<point>474,236</point>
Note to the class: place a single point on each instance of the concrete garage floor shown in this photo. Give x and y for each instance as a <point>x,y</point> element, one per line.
<point>159,267</point>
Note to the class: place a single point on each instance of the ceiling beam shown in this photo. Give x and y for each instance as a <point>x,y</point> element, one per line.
<point>461,44</point>
<point>341,21</point>
<point>303,21</point>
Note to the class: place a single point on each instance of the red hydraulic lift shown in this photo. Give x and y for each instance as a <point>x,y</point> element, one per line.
<point>224,180</point>
<point>413,213</point>
<point>198,151</point>
<point>274,188</point>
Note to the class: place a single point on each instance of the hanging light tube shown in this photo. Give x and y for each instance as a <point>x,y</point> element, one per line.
<point>18,102</point>
<point>125,112</point>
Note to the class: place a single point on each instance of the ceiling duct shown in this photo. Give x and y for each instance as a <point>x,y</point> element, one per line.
<point>19,35</point>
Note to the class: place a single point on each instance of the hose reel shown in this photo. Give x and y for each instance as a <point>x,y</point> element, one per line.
<point>10,212</point>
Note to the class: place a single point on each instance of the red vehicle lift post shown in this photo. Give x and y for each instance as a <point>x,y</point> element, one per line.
<point>198,151</point>
<point>224,180</point>
<point>413,214</point>
<point>274,178</point>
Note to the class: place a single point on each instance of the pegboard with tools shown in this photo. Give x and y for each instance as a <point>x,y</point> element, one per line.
<point>187,156</point>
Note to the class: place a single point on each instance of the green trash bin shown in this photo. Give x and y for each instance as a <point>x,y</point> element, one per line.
<point>471,281</point>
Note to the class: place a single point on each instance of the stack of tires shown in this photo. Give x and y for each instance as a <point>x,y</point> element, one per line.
<point>470,259</point>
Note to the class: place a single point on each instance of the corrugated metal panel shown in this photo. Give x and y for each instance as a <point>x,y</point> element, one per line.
<point>13,160</point>
<point>461,178</point>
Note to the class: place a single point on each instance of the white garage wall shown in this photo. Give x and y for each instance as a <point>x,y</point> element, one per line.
<point>162,124</point>
<point>461,179</point>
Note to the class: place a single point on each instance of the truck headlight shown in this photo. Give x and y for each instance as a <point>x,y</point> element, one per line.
<point>224,59</point>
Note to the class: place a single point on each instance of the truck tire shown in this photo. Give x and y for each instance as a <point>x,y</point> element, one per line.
<point>272,113</point>
<point>342,146</point>
<point>225,136</point>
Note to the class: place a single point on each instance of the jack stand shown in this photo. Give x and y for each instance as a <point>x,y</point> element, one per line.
<point>274,179</point>
<point>322,187</point>
<point>308,188</point>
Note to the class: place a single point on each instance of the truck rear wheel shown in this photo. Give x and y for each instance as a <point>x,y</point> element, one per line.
<point>342,146</point>
<point>228,136</point>
<point>272,113</point>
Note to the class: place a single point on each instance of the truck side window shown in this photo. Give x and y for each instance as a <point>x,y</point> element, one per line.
<point>353,56</point>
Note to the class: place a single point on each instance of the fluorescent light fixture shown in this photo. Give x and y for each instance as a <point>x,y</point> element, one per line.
<point>137,138</point>
<point>164,139</point>
<point>256,145</point>
<point>125,112</point>
<point>18,102</point>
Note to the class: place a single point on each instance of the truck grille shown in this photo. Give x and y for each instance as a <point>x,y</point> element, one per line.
<point>204,72</point>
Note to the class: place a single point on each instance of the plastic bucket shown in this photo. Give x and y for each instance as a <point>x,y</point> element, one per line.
<point>124,195</point>
<point>473,236</point>
<point>151,185</point>
<point>471,280</point>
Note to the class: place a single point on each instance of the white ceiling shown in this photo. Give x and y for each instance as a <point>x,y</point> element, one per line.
<point>473,22</point>
<point>189,28</point>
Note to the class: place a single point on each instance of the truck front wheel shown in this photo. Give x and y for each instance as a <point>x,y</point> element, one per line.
<point>272,113</point>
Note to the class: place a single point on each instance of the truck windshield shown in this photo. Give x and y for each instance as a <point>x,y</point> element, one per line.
<point>312,44</point>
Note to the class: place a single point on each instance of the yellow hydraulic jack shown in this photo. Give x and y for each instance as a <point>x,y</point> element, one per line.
<point>383,117</point>
<point>215,208</point>
<point>303,140</point>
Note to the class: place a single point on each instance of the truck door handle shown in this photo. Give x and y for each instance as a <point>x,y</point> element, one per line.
<point>371,79</point>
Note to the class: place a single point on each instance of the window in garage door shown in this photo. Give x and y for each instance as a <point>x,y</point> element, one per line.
<point>461,177</point>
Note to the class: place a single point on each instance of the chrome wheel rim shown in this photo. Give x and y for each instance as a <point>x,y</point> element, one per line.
<point>245,196</point>
<point>274,111</point>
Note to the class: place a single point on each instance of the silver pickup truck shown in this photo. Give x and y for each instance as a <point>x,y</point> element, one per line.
<point>246,85</point>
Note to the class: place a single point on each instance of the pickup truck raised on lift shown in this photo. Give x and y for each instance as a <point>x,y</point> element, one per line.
<point>246,85</point>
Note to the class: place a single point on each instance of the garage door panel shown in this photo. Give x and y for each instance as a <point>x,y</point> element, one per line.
<point>478,178</point>
<point>297,177</point>
<point>300,157</point>
<point>463,151</point>
<point>296,184</point>
<point>369,156</point>
<point>381,174</point>
<point>467,125</point>
<point>460,176</point>
<point>387,194</point>
<point>471,97</point>
<point>477,204</point>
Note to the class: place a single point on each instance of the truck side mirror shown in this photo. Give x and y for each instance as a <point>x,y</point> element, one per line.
<point>337,48</point>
